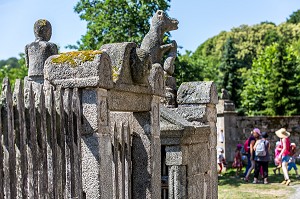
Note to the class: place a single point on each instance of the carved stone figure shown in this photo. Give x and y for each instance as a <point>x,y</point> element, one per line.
<point>38,51</point>
<point>224,94</point>
<point>153,41</point>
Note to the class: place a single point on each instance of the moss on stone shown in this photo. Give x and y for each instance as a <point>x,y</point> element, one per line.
<point>76,57</point>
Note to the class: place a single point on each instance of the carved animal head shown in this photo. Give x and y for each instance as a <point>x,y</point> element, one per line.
<point>163,21</point>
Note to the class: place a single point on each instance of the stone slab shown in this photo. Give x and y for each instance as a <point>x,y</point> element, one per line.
<point>74,70</point>
<point>197,93</point>
<point>129,102</point>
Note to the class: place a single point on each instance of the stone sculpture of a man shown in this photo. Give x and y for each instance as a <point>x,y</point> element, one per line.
<point>38,51</point>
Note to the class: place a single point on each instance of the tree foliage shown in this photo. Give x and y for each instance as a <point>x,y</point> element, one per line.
<point>228,58</point>
<point>185,69</point>
<point>110,21</point>
<point>272,84</point>
<point>13,70</point>
<point>294,17</point>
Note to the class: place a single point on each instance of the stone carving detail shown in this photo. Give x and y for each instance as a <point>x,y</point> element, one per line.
<point>224,94</point>
<point>140,64</point>
<point>38,51</point>
<point>153,43</point>
<point>156,79</point>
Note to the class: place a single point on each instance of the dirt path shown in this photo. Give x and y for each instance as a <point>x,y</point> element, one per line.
<point>297,191</point>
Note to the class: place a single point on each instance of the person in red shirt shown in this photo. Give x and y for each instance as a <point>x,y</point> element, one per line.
<point>285,153</point>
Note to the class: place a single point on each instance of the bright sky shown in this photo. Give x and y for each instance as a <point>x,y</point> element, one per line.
<point>198,20</point>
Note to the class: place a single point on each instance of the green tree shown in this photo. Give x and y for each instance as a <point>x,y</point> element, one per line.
<point>294,17</point>
<point>11,62</point>
<point>111,21</point>
<point>272,85</point>
<point>187,69</point>
<point>229,68</point>
<point>13,73</point>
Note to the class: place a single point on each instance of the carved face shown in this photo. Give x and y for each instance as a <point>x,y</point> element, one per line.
<point>163,21</point>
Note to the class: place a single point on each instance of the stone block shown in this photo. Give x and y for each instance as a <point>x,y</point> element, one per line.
<point>125,101</point>
<point>197,93</point>
<point>173,155</point>
<point>193,113</point>
<point>196,156</point>
<point>90,111</point>
<point>119,54</point>
<point>199,186</point>
<point>79,69</point>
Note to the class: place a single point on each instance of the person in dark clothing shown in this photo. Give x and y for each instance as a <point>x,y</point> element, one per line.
<point>251,155</point>
<point>262,158</point>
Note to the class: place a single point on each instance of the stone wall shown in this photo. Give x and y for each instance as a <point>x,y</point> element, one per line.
<point>237,128</point>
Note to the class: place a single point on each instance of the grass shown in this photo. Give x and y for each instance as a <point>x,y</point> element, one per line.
<point>234,187</point>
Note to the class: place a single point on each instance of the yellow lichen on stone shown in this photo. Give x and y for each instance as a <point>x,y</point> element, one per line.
<point>76,57</point>
<point>42,22</point>
<point>115,73</point>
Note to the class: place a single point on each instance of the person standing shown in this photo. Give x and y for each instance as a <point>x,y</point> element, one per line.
<point>292,162</point>
<point>285,153</point>
<point>220,160</point>
<point>277,160</point>
<point>251,163</point>
<point>262,157</point>
<point>237,163</point>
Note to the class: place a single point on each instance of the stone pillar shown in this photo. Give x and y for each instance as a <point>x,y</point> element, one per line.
<point>177,173</point>
<point>155,148</point>
<point>197,103</point>
<point>96,145</point>
<point>91,72</point>
<point>226,120</point>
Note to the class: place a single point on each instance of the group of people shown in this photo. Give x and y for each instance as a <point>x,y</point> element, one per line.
<point>257,150</point>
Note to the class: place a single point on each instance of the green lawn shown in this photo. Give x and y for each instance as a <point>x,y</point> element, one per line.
<point>235,187</point>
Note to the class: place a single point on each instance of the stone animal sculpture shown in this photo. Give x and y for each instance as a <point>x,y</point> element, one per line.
<point>153,41</point>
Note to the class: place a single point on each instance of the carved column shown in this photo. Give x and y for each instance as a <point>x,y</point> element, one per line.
<point>177,173</point>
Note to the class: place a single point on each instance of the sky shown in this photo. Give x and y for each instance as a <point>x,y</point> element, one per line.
<point>198,20</point>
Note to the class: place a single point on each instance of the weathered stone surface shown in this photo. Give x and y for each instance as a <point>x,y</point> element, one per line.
<point>140,64</point>
<point>172,117</point>
<point>90,111</point>
<point>125,101</point>
<point>170,100</point>
<point>79,69</point>
<point>225,106</point>
<point>197,93</point>
<point>145,153</point>
<point>173,155</point>
<point>156,80</point>
<point>193,113</point>
<point>90,165</point>
<point>169,67</point>
<point>177,178</point>
<point>119,54</point>
<point>38,51</point>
